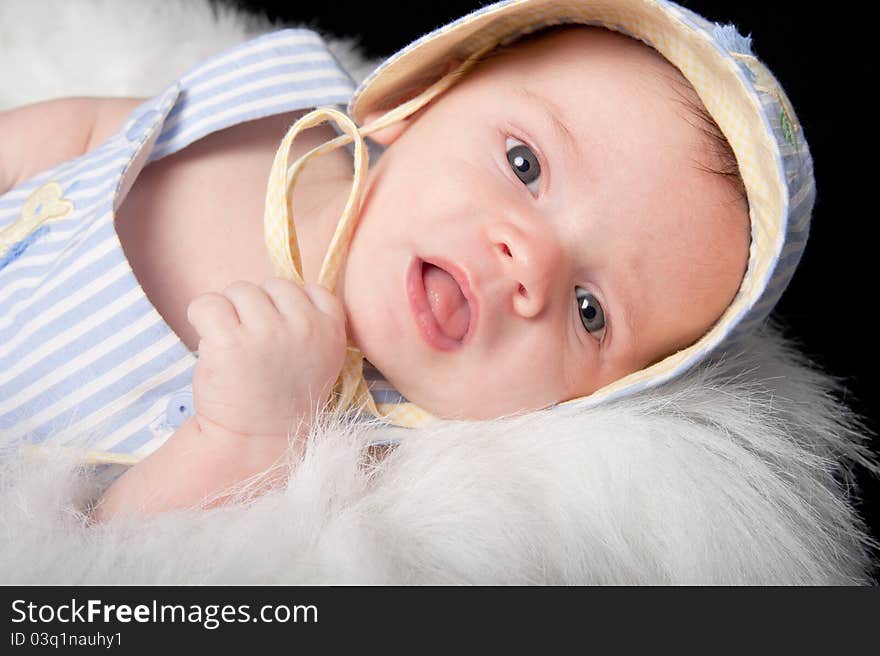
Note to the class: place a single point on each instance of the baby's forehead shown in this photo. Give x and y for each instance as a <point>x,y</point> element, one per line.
<point>595,82</point>
<point>563,51</point>
<point>577,70</point>
<point>606,81</point>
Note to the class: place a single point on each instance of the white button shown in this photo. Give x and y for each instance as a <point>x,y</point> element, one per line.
<point>179,408</point>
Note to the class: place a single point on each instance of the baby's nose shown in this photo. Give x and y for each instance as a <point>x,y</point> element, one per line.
<point>528,260</point>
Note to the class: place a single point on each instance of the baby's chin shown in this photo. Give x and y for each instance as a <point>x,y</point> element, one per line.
<point>466,404</point>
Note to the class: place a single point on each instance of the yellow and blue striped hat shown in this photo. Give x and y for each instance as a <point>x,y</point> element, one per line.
<point>744,98</point>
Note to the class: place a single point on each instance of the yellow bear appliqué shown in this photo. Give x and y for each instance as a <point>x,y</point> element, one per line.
<point>44,204</point>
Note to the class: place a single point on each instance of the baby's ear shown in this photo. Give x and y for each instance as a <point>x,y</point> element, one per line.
<point>388,135</point>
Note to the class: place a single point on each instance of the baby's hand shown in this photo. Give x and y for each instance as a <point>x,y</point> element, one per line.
<point>268,355</point>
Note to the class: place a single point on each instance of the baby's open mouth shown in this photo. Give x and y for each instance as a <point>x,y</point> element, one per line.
<point>448,304</point>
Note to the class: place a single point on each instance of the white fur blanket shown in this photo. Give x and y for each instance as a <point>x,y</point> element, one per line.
<point>736,473</point>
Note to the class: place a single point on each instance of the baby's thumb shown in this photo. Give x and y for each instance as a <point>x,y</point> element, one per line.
<point>325,301</point>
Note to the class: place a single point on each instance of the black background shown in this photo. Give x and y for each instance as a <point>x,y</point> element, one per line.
<point>827,63</point>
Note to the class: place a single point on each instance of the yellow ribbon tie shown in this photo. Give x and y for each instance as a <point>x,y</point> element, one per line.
<point>280,231</point>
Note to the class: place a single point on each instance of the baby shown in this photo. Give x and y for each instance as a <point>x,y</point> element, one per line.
<point>565,215</point>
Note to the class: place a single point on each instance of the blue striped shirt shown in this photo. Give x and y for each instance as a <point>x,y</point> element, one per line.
<point>85,358</point>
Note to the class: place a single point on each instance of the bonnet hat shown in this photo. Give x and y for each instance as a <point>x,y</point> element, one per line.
<point>740,93</point>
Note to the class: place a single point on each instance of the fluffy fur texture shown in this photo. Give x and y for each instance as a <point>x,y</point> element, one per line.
<point>739,472</point>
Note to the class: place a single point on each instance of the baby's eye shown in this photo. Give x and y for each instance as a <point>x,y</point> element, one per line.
<point>524,162</point>
<point>592,315</point>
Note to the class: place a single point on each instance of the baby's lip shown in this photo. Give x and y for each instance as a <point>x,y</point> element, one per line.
<point>421,309</point>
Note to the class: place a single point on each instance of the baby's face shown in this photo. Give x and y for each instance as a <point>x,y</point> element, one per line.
<point>560,184</point>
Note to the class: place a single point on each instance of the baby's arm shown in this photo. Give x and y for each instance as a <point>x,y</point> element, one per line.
<point>36,137</point>
<point>193,469</point>
<point>268,357</point>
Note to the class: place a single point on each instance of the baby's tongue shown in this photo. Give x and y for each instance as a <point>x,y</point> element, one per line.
<point>447,302</point>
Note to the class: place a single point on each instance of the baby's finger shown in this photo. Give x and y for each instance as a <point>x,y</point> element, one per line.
<point>325,301</point>
<point>251,302</point>
<point>212,315</point>
<point>288,297</point>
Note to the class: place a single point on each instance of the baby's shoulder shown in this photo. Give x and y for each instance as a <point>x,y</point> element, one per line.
<point>243,154</point>
<point>195,217</point>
